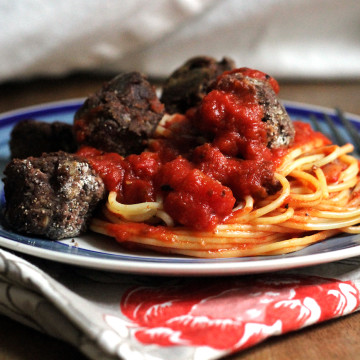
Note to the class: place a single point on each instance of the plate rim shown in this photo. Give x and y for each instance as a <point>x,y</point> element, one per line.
<point>184,269</point>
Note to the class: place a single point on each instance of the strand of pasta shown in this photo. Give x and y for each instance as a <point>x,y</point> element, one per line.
<point>285,192</point>
<point>133,212</point>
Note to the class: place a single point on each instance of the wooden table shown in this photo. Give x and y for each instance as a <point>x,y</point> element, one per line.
<point>332,340</point>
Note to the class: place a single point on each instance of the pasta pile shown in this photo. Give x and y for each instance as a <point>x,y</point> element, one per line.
<point>306,210</point>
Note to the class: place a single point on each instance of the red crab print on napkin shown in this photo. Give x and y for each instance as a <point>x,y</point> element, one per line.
<point>234,313</point>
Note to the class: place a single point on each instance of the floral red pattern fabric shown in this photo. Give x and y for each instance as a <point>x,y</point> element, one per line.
<point>234,313</point>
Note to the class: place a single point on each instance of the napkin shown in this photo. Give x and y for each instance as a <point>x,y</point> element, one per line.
<point>121,316</point>
<point>286,39</point>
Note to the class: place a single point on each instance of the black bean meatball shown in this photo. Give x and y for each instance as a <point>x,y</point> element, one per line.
<point>187,85</point>
<point>119,117</point>
<point>52,196</point>
<point>32,138</point>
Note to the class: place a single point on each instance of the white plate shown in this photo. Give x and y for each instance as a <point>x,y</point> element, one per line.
<point>103,253</point>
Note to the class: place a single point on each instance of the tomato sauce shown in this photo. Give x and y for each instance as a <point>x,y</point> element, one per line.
<point>333,170</point>
<point>215,155</point>
<point>192,197</point>
<point>304,133</point>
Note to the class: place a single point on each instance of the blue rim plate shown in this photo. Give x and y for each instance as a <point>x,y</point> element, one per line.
<point>103,253</point>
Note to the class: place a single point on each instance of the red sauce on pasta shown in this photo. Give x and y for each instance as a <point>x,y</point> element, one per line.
<point>217,155</point>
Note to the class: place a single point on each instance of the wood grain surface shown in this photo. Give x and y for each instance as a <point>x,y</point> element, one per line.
<point>336,339</point>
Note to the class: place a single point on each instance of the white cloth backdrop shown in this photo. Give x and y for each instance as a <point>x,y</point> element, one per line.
<point>285,38</point>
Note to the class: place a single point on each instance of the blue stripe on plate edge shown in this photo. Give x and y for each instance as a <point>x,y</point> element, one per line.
<point>39,110</point>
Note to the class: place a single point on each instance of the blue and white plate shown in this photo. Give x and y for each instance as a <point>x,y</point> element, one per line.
<point>103,253</point>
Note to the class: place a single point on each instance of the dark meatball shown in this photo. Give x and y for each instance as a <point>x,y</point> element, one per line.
<point>280,129</point>
<point>187,85</point>
<point>32,138</point>
<point>53,195</point>
<point>119,117</point>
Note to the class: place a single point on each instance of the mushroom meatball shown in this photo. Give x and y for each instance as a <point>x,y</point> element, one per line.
<point>120,116</point>
<point>187,85</point>
<point>53,195</point>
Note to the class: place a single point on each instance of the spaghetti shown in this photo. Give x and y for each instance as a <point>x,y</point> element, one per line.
<point>306,210</point>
